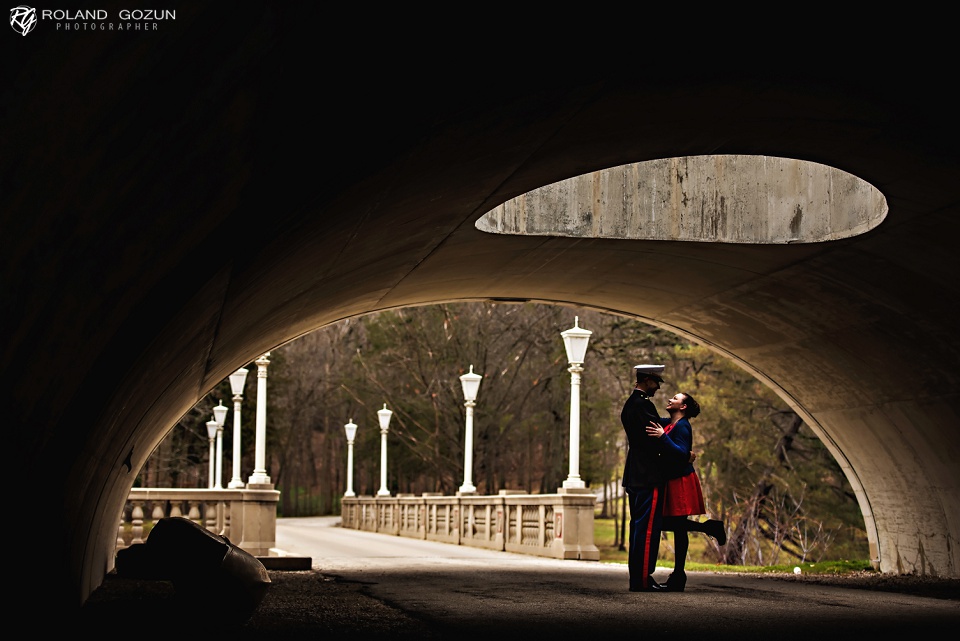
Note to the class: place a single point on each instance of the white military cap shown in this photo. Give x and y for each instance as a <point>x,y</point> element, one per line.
<point>655,371</point>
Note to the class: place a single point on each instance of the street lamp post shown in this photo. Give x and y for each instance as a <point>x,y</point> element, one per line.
<point>219,416</point>
<point>384,418</point>
<point>471,384</point>
<point>237,380</point>
<point>351,429</point>
<point>259,476</point>
<point>575,341</point>
<point>212,428</point>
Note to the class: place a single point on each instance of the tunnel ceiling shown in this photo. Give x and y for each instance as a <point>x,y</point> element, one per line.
<point>178,203</point>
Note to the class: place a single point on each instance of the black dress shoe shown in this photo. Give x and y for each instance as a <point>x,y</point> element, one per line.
<point>652,586</point>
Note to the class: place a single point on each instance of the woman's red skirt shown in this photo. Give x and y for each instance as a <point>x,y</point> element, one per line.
<point>684,496</point>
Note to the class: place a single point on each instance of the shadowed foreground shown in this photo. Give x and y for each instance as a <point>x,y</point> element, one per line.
<point>317,605</point>
<point>297,605</point>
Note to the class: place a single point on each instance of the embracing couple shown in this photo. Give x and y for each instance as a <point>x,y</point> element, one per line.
<point>661,484</point>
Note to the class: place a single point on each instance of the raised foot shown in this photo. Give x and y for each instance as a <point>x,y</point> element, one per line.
<point>715,528</point>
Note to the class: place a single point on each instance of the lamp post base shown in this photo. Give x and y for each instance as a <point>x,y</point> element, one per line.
<point>258,478</point>
<point>574,490</point>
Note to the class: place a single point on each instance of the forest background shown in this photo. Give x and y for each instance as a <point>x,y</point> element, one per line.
<point>764,472</point>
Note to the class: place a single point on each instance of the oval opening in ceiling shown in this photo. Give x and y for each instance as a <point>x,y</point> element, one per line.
<point>724,198</point>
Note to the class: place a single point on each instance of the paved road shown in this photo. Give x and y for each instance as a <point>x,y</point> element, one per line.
<point>460,591</point>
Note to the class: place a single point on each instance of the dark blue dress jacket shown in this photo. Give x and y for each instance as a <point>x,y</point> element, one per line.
<point>675,449</point>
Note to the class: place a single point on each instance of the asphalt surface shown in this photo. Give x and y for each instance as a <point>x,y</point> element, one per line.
<point>363,584</point>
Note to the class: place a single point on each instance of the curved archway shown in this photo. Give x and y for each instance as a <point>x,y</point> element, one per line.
<point>178,243</point>
<point>411,360</point>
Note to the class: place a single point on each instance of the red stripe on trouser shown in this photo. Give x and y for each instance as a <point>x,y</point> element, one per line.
<point>654,497</point>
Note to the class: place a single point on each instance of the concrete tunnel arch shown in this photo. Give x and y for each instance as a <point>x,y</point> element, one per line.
<point>168,230</point>
<point>575,296</point>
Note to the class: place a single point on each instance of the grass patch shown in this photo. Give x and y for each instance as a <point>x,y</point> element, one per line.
<point>604,535</point>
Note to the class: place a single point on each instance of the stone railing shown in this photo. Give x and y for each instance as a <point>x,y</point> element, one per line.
<point>247,517</point>
<point>553,525</point>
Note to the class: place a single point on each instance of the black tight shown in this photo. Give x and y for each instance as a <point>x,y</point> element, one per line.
<point>680,525</point>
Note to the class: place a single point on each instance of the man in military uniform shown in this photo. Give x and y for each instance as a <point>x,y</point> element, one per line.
<point>643,479</point>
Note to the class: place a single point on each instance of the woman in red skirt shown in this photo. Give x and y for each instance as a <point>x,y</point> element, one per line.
<point>683,496</point>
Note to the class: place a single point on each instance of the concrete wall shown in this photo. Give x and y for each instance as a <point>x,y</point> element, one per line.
<point>723,199</point>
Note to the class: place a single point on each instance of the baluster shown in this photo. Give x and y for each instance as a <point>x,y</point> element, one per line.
<point>194,512</point>
<point>137,519</point>
<point>542,537</point>
<point>226,520</point>
<point>120,542</point>
<point>210,516</point>
<point>157,513</point>
<point>220,518</point>
<point>175,509</point>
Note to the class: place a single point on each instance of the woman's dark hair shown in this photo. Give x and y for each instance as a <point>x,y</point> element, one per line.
<point>693,407</point>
